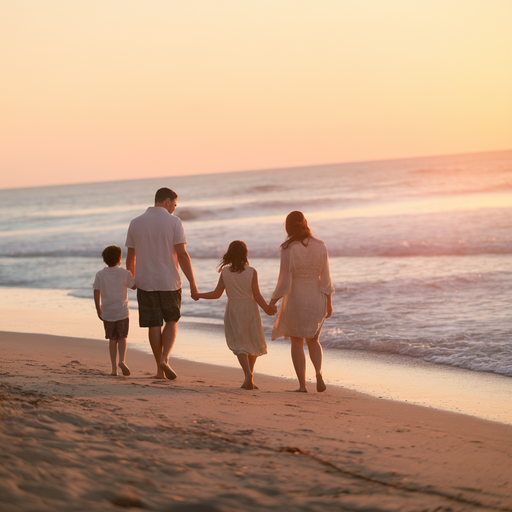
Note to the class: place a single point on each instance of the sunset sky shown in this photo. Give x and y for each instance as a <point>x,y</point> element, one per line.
<point>117,89</point>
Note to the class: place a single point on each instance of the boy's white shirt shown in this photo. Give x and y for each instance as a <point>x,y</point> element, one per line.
<point>113,284</point>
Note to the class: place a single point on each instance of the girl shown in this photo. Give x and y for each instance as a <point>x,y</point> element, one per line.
<point>305,286</point>
<point>242,321</point>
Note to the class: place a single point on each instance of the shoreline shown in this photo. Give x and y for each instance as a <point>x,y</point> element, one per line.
<point>203,443</point>
<point>400,378</point>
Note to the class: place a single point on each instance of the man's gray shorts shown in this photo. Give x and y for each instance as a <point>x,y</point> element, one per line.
<point>155,307</point>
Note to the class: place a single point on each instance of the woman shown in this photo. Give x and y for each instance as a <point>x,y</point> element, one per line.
<point>305,286</point>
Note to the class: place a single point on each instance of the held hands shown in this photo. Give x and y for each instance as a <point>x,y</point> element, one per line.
<point>271,310</point>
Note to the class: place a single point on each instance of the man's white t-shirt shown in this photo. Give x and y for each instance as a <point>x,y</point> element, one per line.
<point>153,235</point>
<point>113,284</point>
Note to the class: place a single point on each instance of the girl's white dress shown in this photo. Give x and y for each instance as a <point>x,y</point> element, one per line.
<point>242,320</point>
<point>304,283</point>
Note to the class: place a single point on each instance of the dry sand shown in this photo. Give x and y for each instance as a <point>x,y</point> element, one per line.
<point>73,438</point>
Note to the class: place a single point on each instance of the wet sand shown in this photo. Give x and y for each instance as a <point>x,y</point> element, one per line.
<point>74,438</point>
<point>481,394</point>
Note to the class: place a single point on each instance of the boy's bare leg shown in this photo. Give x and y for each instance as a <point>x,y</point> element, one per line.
<point>316,355</point>
<point>299,362</point>
<point>243,359</point>
<point>121,348</point>
<point>169,333</point>
<point>155,340</point>
<point>112,345</point>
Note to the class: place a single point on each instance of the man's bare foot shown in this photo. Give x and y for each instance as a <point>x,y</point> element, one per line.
<point>301,390</point>
<point>114,374</point>
<point>320,384</point>
<point>124,369</point>
<point>168,371</point>
<point>157,376</point>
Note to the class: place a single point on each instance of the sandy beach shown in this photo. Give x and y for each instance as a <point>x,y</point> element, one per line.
<point>74,438</point>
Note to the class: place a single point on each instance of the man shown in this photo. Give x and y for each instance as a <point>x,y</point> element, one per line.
<point>156,249</point>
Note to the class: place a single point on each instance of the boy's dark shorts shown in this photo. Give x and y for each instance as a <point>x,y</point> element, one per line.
<point>115,330</point>
<point>155,307</point>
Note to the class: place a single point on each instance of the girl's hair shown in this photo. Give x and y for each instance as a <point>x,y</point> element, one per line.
<point>235,257</point>
<point>297,229</point>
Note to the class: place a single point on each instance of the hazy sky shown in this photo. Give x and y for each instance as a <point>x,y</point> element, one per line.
<point>97,90</point>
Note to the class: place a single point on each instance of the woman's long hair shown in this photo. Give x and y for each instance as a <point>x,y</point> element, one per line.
<point>297,229</point>
<point>235,257</point>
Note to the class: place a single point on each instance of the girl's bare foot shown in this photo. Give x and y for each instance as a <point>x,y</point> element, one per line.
<point>320,384</point>
<point>124,369</point>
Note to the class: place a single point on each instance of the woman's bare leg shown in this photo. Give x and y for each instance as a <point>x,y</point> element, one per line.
<point>252,361</point>
<point>299,362</point>
<point>243,359</point>
<point>316,355</point>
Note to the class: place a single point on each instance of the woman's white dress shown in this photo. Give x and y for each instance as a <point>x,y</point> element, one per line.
<point>242,320</point>
<point>304,283</point>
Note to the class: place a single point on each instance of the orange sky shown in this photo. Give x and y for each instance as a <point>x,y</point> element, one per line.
<point>104,90</point>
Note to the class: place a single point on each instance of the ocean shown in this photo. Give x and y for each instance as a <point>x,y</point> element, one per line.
<point>420,249</point>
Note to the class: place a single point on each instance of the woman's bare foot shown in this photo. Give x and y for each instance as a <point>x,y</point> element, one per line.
<point>168,371</point>
<point>253,386</point>
<point>157,376</point>
<point>124,369</point>
<point>320,384</point>
<point>114,374</point>
<point>301,390</point>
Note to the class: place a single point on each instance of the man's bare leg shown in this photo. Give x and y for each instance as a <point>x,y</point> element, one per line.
<point>155,340</point>
<point>299,362</point>
<point>169,333</point>
<point>316,355</point>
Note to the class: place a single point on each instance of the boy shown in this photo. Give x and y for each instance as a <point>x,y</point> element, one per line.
<point>111,286</point>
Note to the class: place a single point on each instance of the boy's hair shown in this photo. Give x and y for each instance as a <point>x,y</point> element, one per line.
<point>165,193</point>
<point>236,257</point>
<point>112,255</point>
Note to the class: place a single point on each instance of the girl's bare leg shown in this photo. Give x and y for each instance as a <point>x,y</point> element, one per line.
<point>316,355</point>
<point>299,362</point>
<point>243,359</point>
<point>112,345</point>
<point>121,347</point>
<point>252,362</point>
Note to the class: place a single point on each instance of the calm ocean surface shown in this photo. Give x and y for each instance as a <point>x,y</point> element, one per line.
<point>421,249</point>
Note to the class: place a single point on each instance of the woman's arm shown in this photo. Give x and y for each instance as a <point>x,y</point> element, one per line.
<point>216,294</point>
<point>284,281</point>
<point>262,303</point>
<point>329,306</point>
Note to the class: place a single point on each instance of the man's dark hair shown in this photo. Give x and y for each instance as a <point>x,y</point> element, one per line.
<point>165,193</point>
<point>112,255</point>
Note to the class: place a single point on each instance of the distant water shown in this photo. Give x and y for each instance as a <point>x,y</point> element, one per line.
<point>421,249</point>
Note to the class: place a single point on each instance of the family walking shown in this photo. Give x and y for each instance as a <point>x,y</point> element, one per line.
<point>156,251</point>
